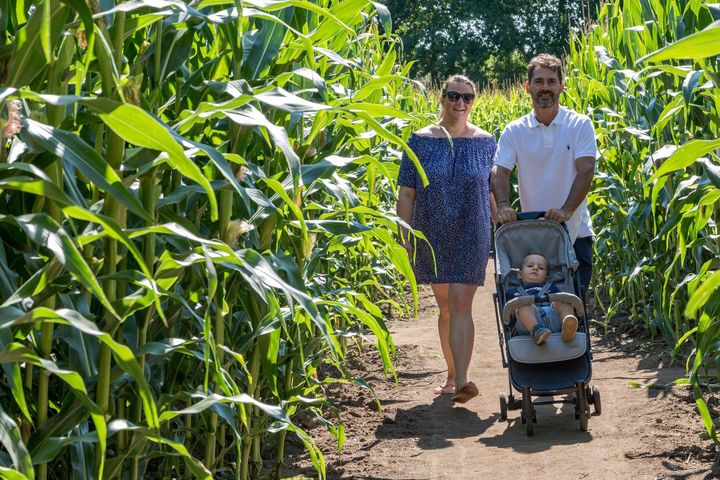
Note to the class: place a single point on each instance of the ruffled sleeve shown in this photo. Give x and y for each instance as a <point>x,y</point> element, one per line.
<point>407,177</point>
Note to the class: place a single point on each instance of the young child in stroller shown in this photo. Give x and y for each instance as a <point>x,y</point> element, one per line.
<point>540,320</point>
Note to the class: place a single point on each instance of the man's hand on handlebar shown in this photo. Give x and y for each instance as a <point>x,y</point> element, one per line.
<point>558,215</point>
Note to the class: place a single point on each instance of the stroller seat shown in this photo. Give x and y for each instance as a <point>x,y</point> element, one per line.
<point>523,349</point>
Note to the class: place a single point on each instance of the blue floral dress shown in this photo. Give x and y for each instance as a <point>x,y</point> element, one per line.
<point>453,211</point>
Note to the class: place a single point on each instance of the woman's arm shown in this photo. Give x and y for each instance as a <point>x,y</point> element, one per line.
<point>405,210</point>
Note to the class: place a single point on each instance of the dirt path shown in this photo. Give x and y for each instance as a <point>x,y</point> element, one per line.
<point>643,433</point>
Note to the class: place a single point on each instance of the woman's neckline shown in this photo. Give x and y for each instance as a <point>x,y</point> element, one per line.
<point>454,138</point>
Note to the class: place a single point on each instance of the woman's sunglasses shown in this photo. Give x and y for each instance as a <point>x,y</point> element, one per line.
<point>454,96</point>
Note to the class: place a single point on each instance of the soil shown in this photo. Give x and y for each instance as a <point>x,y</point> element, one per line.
<point>649,427</point>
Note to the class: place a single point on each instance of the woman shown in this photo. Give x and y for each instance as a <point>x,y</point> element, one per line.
<point>453,212</point>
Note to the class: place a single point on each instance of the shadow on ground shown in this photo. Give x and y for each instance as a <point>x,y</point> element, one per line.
<point>434,425</point>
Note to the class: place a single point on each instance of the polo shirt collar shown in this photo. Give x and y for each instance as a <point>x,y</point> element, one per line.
<point>558,120</point>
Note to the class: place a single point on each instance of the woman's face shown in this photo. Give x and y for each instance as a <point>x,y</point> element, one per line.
<point>457,107</point>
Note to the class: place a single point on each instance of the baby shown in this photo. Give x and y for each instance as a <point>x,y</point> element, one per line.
<point>541,320</point>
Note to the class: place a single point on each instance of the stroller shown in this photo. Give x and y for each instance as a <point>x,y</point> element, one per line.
<point>555,368</point>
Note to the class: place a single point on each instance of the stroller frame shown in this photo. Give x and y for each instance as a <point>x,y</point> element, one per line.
<point>568,378</point>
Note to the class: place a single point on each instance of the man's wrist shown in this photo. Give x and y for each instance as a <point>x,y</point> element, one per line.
<point>503,202</point>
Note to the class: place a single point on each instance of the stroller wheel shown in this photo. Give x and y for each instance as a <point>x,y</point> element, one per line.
<point>582,409</point>
<point>528,412</point>
<point>596,400</point>
<point>503,406</point>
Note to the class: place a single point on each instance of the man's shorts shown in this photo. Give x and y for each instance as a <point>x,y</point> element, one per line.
<point>546,316</point>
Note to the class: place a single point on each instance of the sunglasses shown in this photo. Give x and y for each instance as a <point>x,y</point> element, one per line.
<point>454,96</point>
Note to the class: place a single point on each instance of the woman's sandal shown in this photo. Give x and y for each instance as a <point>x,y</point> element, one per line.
<point>467,392</point>
<point>444,389</point>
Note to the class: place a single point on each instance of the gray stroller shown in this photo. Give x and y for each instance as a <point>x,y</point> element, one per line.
<point>555,368</point>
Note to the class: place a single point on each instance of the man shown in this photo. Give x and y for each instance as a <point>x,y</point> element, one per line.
<point>554,150</point>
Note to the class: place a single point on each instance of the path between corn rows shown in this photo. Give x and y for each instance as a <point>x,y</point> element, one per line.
<point>641,434</point>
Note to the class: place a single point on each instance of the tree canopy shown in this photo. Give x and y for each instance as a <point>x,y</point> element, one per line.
<point>488,40</point>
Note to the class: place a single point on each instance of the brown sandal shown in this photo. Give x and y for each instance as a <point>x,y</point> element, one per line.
<point>444,389</point>
<point>467,392</point>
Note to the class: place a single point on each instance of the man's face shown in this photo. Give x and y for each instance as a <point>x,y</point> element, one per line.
<point>544,88</point>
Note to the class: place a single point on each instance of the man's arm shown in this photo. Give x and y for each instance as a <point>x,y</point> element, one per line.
<point>585,169</point>
<point>500,189</point>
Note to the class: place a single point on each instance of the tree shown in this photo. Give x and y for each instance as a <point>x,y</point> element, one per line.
<point>488,40</point>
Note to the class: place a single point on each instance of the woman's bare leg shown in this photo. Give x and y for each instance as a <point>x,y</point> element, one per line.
<point>462,329</point>
<point>441,297</point>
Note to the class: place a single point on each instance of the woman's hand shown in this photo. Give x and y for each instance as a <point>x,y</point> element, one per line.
<point>408,246</point>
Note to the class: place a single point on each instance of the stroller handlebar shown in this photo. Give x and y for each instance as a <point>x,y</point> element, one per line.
<point>530,215</point>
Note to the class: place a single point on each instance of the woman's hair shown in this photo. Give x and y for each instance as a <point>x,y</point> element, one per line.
<point>545,60</point>
<point>459,79</point>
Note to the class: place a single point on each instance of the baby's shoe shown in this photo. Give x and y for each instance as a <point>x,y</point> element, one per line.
<point>540,333</point>
<point>569,328</point>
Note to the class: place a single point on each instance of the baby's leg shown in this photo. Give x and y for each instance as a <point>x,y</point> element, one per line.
<point>569,320</point>
<point>564,309</point>
<point>528,320</point>
<point>526,315</point>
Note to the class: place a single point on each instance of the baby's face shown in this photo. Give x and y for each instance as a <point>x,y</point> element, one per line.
<point>533,269</point>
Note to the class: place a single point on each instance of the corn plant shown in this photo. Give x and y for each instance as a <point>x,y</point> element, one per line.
<point>649,75</point>
<point>195,206</point>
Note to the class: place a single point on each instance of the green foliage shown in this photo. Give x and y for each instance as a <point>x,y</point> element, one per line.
<point>488,40</point>
<point>649,76</point>
<point>197,216</point>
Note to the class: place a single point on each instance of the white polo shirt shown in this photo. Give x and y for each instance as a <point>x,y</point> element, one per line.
<point>545,157</point>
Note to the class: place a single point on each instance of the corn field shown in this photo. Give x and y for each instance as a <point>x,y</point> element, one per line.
<point>649,75</point>
<point>195,207</point>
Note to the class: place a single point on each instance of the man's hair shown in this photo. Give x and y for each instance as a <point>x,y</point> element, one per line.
<point>459,79</point>
<point>545,60</point>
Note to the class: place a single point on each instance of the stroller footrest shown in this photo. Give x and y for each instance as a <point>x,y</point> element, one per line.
<point>522,348</point>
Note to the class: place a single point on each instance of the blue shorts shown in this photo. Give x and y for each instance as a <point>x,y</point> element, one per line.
<point>546,316</point>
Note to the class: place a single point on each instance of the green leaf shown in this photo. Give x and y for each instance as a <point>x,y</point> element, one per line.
<point>391,137</point>
<point>13,374</point>
<point>71,148</point>
<point>262,45</point>
<point>712,170</point>
<point>385,17</point>
<point>45,232</point>
<point>289,102</point>
<point>28,60</point>
<point>250,116</point>
<point>124,356</point>
<point>703,44</point>
<point>8,474</point>
<point>11,439</point>
<point>36,187</point>
<point>18,353</point>
<point>114,231</point>
<point>138,127</point>
<point>684,157</point>
<point>701,296</point>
